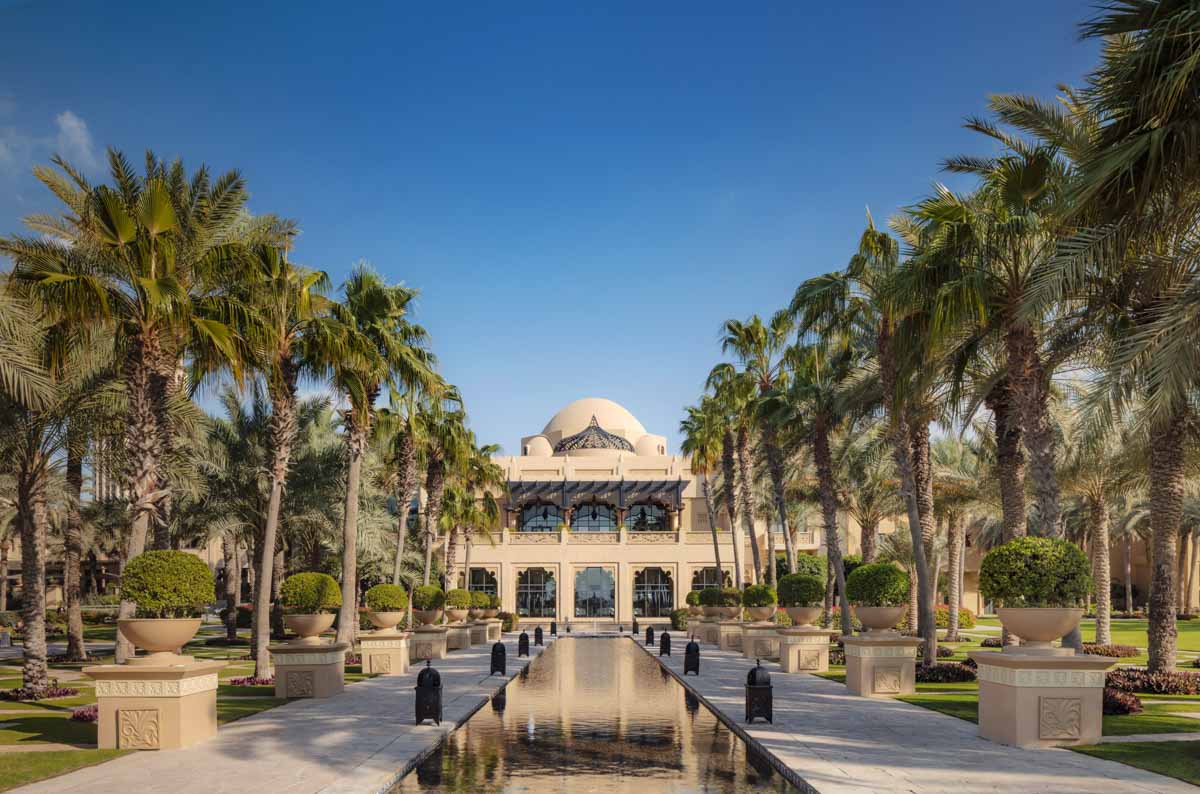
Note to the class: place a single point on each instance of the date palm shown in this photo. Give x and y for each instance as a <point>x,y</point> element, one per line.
<point>702,439</point>
<point>867,474</point>
<point>449,444</point>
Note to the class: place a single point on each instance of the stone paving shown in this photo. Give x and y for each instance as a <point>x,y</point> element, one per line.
<point>360,741</point>
<point>837,743</point>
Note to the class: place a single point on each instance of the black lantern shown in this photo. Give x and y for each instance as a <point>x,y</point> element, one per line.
<point>635,627</point>
<point>691,658</point>
<point>499,657</point>
<point>664,644</point>
<point>523,645</point>
<point>537,636</point>
<point>758,694</point>
<point>649,635</point>
<point>691,702</point>
<point>553,628</point>
<point>500,700</point>
<point>429,695</point>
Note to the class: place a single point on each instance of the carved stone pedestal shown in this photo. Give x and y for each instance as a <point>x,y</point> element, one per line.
<point>804,649</point>
<point>729,635</point>
<point>155,707</point>
<point>494,629</point>
<point>478,632</point>
<point>881,663</point>
<point>427,642</point>
<point>706,630</point>
<point>458,635</point>
<point>760,640</point>
<point>1041,699</point>
<point>305,670</point>
<point>384,652</point>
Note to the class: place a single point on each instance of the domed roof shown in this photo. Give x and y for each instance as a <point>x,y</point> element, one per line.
<point>593,437</point>
<point>611,416</point>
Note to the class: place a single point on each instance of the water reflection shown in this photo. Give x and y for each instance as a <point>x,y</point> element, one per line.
<point>594,714</point>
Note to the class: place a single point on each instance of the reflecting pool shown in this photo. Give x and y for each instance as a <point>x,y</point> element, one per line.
<point>594,714</point>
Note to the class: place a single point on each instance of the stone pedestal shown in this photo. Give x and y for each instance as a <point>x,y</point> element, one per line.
<point>760,640</point>
<point>494,629</point>
<point>1041,699</point>
<point>707,630</point>
<point>458,635</point>
<point>309,670</point>
<point>881,663</point>
<point>729,635</point>
<point>804,649</point>
<point>155,707</point>
<point>384,652</point>
<point>478,632</point>
<point>427,642</point>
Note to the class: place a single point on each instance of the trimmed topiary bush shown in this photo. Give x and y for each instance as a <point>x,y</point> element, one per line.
<point>428,596</point>
<point>458,599</point>
<point>310,593</point>
<point>1118,702</point>
<point>759,595</point>
<point>1036,572</point>
<point>877,584</point>
<point>710,597</point>
<point>729,597</point>
<point>801,590</point>
<point>480,599</point>
<point>386,598</point>
<point>493,601</point>
<point>508,621</point>
<point>810,565</point>
<point>168,584</point>
<point>679,619</point>
<point>966,618</point>
<point>692,599</point>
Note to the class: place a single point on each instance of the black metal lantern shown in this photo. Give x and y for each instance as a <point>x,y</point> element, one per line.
<point>691,702</point>
<point>537,636</point>
<point>523,645</point>
<point>664,644</point>
<point>499,658</point>
<point>500,700</point>
<point>649,635</point>
<point>758,694</point>
<point>429,695</point>
<point>691,658</point>
<point>553,628</point>
<point>635,627</point>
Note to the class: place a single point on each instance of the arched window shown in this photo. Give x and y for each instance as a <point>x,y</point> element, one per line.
<point>704,578</point>
<point>595,593</point>
<point>653,593</point>
<point>595,517</point>
<point>647,517</point>
<point>536,593</point>
<point>482,580</point>
<point>540,518</point>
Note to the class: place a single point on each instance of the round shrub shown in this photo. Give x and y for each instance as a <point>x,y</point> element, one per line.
<point>801,590</point>
<point>168,584</point>
<point>493,601</point>
<point>877,584</point>
<point>811,565</point>
<point>966,618</point>
<point>679,619</point>
<point>729,597</point>
<point>428,596</point>
<point>710,597</point>
<point>1036,572</point>
<point>310,593</point>
<point>692,599</point>
<point>458,599</point>
<point>480,599</point>
<point>759,595</point>
<point>508,621</point>
<point>386,598</point>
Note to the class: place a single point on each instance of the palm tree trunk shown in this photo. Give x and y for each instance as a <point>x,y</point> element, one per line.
<point>914,602</point>
<point>34,520</point>
<point>1184,559</point>
<point>1129,574</point>
<point>233,584</point>
<point>256,594</point>
<point>745,477</point>
<point>1031,396</point>
<point>772,567</point>
<point>277,627</point>
<point>1166,509</point>
<point>712,523</point>
<point>828,496</point>
<point>869,540</point>
<point>73,548</point>
<point>4,546</point>
<point>348,615</point>
<point>775,468</point>
<point>1190,603</point>
<point>1010,460</point>
<point>956,529</point>
<point>729,477</point>
<point>283,435</point>
<point>451,559</point>
<point>407,457</point>
<point>435,485</point>
<point>922,477</point>
<point>828,605</point>
<point>1101,569</point>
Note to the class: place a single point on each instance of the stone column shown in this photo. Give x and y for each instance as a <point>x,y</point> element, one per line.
<point>155,707</point>
<point>804,649</point>
<point>881,663</point>
<point>309,670</point>
<point>385,652</point>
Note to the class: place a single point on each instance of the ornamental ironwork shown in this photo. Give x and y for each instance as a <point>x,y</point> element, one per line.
<point>593,437</point>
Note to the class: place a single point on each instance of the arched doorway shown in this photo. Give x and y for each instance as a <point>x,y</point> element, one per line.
<point>595,593</point>
<point>653,593</point>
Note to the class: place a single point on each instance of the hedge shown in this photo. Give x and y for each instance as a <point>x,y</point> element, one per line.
<point>168,584</point>
<point>386,598</point>
<point>1132,679</point>
<point>944,673</point>
<point>1036,572</point>
<point>310,593</point>
<point>877,584</point>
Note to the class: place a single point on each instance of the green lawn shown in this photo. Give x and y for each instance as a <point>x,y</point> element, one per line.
<point>1173,759</point>
<point>45,727</point>
<point>18,769</point>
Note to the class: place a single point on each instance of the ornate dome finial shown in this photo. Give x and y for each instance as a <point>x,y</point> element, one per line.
<point>593,437</point>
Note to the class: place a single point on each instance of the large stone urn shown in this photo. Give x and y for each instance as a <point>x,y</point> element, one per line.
<point>879,619</point>
<point>803,616</point>
<point>457,615</point>
<point>308,627</point>
<point>427,617</point>
<point>1038,627</point>
<point>761,614</point>
<point>385,622</point>
<point>161,638</point>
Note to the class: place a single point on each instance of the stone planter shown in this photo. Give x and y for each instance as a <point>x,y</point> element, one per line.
<point>385,622</point>
<point>879,619</point>
<point>427,617</point>
<point>695,611</point>
<point>488,614</point>
<point>711,612</point>
<point>308,628</point>
<point>160,638</point>
<point>474,614</point>
<point>803,616</point>
<point>456,615</point>
<point>1036,627</point>
<point>730,613</point>
<point>760,614</point>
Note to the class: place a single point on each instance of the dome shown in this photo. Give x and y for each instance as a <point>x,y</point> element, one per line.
<point>611,416</point>
<point>538,446</point>
<point>593,437</point>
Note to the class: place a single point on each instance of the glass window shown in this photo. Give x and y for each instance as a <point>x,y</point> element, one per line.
<point>594,518</point>
<point>647,518</point>
<point>653,593</point>
<point>483,580</point>
<point>595,593</point>
<point>540,518</point>
<point>705,578</point>
<point>536,593</point>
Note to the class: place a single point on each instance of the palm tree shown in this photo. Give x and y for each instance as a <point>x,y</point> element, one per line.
<point>735,394</point>
<point>870,494</point>
<point>485,480</point>
<point>381,345</point>
<point>447,445</point>
<point>701,430</point>
<point>961,488</point>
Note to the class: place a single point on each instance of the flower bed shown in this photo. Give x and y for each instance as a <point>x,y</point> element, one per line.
<point>252,681</point>
<point>945,673</point>
<point>86,713</point>
<point>29,693</point>
<point>1119,651</point>
<point>1143,681</point>
<point>1118,702</point>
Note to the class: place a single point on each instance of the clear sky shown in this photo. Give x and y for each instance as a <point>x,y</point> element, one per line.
<point>582,192</point>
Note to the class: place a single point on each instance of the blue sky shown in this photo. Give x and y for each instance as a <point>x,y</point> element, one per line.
<point>582,194</point>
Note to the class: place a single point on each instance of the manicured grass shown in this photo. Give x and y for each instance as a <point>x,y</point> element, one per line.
<point>964,706</point>
<point>232,710</point>
<point>45,728</point>
<point>1157,718</point>
<point>1174,759</point>
<point>22,768</point>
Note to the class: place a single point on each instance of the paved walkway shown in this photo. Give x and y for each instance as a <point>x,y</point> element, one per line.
<point>360,741</point>
<point>838,743</point>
